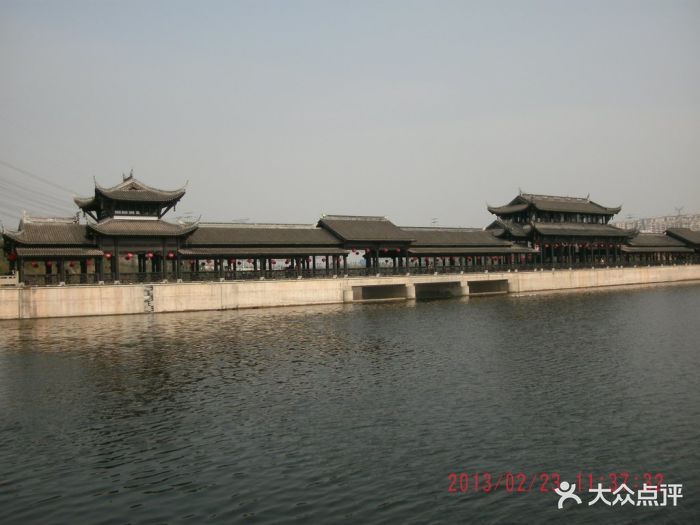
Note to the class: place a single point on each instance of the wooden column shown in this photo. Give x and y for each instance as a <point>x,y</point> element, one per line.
<point>163,258</point>
<point>61,270</point>
<point>116,262</point>
<point>99,267</point>
<point>551,253</point>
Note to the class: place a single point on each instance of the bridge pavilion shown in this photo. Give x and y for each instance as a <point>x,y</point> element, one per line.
<point>567,230</point>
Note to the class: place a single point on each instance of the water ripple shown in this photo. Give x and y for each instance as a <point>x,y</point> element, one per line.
<point>348,414</point>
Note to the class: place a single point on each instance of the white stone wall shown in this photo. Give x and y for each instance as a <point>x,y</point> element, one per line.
<point>9,303</point>
<point>66,301</point>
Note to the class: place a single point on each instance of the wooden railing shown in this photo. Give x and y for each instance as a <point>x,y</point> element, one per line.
<point>248,275</point>
<point>9,280</point>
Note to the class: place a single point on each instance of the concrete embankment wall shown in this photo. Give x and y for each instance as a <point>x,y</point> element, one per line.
<point>66,301</point>
<point>70,301</point>
<point>593,278</point>
<point>9,303</point>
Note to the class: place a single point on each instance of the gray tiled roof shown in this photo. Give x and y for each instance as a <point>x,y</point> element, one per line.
<point>553,203</point>
<point>56,232</point>
<point>656,249</point>
<point>463,250</point>
<point>141,227</point>
<point>253,251</point>
<point>686,235</point>
<point>358,228</point>
<point>567,204</point>
<point>579,229</point>
<point>508,208</point>
<point>260,235</point>
<point>501,226</point>
<point>131,190</point>
<point>452,237</point>
<point>654,239</point>
<point>49,251</point>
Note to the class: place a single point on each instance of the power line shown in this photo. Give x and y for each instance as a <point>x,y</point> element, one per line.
<point>33,207</point>
<point>31,197</point>
<point>28,196</point>
<point>30,185</point>
<point>16,192</point>
<point>37,177</point>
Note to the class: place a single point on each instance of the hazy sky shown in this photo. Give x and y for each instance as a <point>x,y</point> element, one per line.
<point>282,111</point>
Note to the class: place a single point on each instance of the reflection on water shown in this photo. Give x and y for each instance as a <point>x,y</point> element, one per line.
<point>348,413</point>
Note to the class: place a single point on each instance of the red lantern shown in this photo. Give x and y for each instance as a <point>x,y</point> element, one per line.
<point>108,256</point>
<point>386,250</point>
<point>49,264</point>
<point>129,256</point>
<point>469,259</point>
<point>367,250</point>
<point>171,255</point>
<point>35,264</point>
<point>12,256</point>
<point>71,264</point>
<point>149,255</point>
<point>427,259</point>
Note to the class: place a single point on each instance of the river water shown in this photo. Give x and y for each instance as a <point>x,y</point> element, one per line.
<point>353,414</point>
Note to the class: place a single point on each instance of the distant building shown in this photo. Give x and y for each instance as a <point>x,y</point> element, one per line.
<point>661,224</point>
<point>561,229</point>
